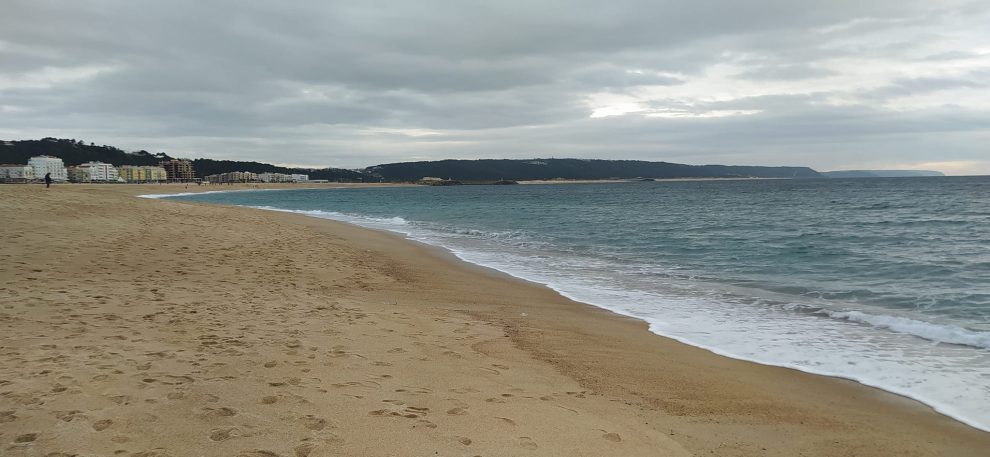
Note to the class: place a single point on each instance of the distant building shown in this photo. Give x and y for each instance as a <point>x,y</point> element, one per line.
<point>16,173</point>
<point>48,164</point>
<point>274,177</point>
<point>93,172</point>
<point>139,173</point>
<point>233,176</point>
<point>299,178</point>
<point>76,174</point>
<point>179,170</point>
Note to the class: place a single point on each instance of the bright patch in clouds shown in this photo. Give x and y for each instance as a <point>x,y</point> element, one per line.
<point>52,77</point>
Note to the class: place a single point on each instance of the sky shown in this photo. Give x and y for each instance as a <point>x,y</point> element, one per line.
<point>836,84</point>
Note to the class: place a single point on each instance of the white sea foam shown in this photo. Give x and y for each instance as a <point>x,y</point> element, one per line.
<point>933,332</point>
<point>876,350</point>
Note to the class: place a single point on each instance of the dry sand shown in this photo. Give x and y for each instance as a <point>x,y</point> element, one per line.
<point>146,328</point>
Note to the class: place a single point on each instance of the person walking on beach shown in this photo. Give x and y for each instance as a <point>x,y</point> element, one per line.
<point>48,180</point>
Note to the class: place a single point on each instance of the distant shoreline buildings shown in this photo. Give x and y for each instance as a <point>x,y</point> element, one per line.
<point>171,170</point>
<point>95,172</point>
<point>247,176</point>
<point>16,173</point>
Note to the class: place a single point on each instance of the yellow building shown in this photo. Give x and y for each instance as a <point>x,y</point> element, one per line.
<point>134,174</point>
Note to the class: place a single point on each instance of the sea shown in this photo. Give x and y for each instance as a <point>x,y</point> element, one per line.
<point>883,281</point>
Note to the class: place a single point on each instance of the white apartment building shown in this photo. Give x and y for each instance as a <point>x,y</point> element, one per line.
<point>94,172</point>
<point>102,172</point>
<point>48,164</point>
<point>16,173</point>
<point>274,177</point>
<point>299,178</point>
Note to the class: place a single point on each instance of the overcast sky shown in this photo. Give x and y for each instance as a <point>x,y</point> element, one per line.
<point>830,84</point>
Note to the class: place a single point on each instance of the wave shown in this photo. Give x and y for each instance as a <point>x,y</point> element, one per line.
<point>938,333</point>
<point>391,221</point>
<point>184,194</point>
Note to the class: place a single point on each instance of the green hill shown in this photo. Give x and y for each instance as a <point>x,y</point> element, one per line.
<point>74,152</point>
<point>537,169</point>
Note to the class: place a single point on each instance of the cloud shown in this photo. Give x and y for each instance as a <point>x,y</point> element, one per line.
<point>348,83</point>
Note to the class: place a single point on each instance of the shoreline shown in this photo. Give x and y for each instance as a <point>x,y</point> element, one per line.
<point>490,270</point>
<point>664,394</point>
<point>947,410</point>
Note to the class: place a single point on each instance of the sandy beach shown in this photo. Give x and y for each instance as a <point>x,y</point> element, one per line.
<point>142,328</point>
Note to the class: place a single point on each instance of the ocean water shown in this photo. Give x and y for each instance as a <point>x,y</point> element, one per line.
<point>883,281</point>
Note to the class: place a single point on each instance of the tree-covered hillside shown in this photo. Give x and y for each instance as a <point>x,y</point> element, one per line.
<point>73,152</point>
<point>494,169</point>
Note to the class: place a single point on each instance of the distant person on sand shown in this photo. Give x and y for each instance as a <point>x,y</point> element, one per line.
<point>48,180</point>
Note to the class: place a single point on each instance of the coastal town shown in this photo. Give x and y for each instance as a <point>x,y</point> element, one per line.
<point>167,171</point>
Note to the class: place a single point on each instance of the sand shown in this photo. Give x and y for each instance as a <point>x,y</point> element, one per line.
<point>141,327</point>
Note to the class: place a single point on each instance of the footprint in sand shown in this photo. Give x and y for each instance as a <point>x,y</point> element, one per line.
<point>426,423</point>
<point>507,420</point>
<point>527,443</point>
<point>121,399</point>
<point>67,416</point>
<point>26,438</point>
<point>613,437</point>
<point>410,412</point>
<point>415,390</point>
<point>222,412</point>
<point>102,425</point>
<point>304,449</point>
<point>152,453</point>
<point>258,453</point>
<point>464,440</point>
<point>460,411</point>
<point>313,423</point>
<point>223,434</point>
<point>7,416</point>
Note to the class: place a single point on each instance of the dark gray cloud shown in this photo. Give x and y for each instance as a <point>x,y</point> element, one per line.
<point>829,84</point>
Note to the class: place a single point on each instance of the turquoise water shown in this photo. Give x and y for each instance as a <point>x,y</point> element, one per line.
<point>885,281</point>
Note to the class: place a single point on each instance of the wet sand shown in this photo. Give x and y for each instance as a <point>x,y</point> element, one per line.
<point>146,328</point>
